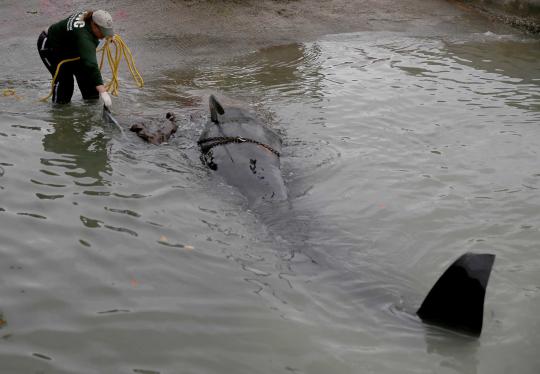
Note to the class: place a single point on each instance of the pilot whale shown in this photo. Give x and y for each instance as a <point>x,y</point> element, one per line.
<point>235,144</point>
<point>238,146</point>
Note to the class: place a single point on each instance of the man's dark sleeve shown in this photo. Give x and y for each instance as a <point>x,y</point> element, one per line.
<point>87,51</point>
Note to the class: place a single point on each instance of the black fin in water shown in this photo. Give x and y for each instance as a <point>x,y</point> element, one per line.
<point>215,109</point>
<point>456,301</point>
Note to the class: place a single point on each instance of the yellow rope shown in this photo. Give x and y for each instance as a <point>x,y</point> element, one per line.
<point>56,75</point>
<point>11,92</point>
<point>120,49</point>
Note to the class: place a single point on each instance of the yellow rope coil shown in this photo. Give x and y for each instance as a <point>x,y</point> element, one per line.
<point>120,49</point>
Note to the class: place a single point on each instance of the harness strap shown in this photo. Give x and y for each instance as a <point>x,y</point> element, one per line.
<point>222,140</point>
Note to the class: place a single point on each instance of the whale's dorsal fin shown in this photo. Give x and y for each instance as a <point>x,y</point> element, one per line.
<point>456,301</point>
<point>215,109</point>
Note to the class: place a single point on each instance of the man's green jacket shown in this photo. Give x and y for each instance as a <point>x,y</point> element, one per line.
<point>73,37</point>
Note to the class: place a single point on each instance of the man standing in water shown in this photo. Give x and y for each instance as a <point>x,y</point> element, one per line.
<point>76,36</point>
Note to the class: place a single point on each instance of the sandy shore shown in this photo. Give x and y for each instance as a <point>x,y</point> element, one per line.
<point>206,29</point>
<point>231,25</point>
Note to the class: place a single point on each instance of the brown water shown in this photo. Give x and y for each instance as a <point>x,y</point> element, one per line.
<point>400,154</point>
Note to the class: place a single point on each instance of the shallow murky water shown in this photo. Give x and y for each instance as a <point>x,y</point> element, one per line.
<point>400,153</point>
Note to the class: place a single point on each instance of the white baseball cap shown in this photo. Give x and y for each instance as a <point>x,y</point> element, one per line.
<point>104,20</point>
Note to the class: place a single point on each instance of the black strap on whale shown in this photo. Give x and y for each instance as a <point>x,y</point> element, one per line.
<point>209,143</point>
<point>456,301</point>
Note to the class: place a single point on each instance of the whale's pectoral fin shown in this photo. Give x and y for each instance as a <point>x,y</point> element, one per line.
<point>215,109</point>
<point>456,301</point>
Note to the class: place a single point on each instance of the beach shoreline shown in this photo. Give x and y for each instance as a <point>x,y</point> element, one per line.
<point>186,30</point>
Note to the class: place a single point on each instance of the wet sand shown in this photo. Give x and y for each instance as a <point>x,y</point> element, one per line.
<point>170,32</point>
<point>212,29</point>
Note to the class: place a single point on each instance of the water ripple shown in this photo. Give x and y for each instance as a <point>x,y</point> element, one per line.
<point>400,153</point>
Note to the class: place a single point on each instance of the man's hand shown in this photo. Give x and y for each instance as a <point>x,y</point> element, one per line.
<point>106,99</point>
